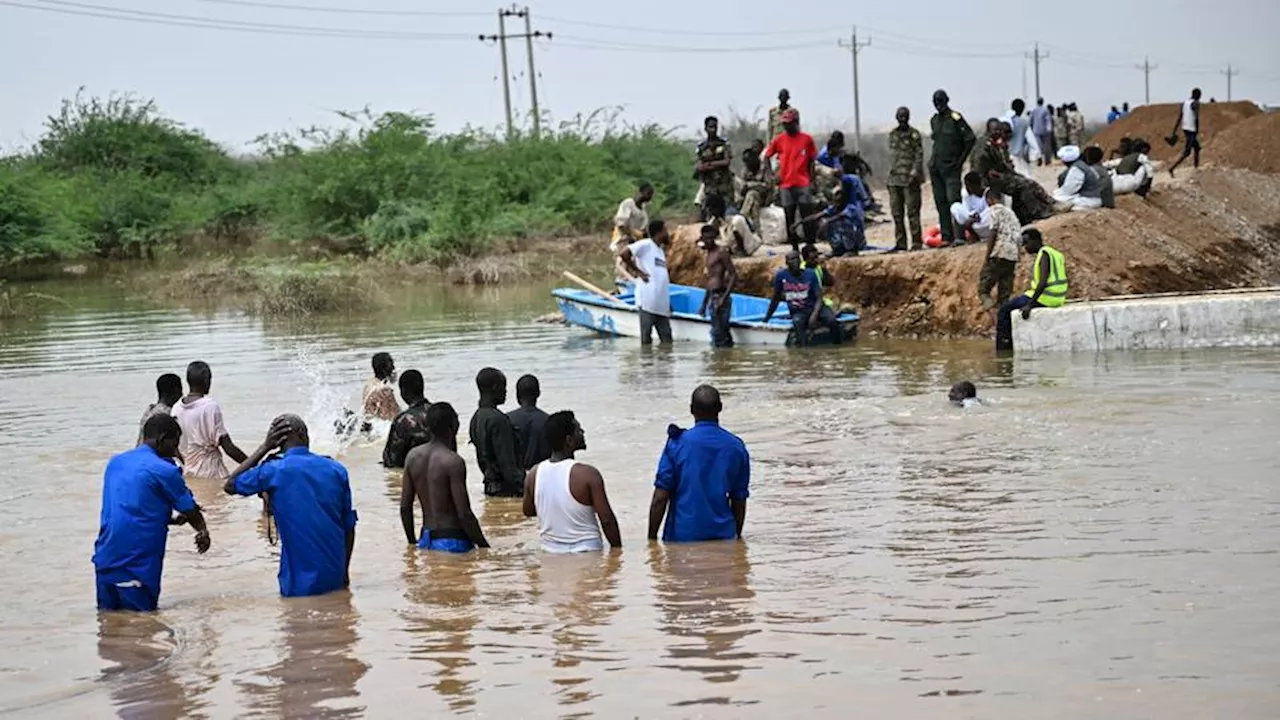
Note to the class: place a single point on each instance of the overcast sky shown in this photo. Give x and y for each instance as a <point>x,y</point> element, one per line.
<point>236,85</point>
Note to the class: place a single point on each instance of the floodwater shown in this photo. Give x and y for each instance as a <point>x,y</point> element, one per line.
<point>1100,540</point>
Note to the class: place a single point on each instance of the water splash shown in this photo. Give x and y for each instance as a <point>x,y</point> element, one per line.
<point>328,405</point>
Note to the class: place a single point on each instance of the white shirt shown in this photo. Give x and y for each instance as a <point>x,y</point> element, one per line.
<point>1189,122</point>
<point>202,429</point>
<point>653,297</point>
<point>564,524</point>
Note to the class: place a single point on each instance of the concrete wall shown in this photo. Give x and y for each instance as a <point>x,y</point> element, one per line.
<point>1228,319</point>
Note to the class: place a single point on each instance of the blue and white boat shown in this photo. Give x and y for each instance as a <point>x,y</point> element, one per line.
<point>618,316</point>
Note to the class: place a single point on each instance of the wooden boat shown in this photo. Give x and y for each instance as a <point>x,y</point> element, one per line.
<point>616,315</point>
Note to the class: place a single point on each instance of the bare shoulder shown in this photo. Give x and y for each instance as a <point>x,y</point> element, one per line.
<point>588,473</point>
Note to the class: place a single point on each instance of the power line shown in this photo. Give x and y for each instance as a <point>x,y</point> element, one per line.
<point>587,43</point>
<point>689,33</point>
<point>345,10</point>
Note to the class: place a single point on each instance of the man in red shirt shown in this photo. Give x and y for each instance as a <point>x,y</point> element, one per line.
<point>796,154</point>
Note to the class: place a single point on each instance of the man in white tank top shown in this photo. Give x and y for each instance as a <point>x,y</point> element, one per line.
<point>567,496</point>
<point>1189,121</point>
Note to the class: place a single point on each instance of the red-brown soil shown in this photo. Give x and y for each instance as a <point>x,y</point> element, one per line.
<point>1251,145</point>
<point>1154,122</point>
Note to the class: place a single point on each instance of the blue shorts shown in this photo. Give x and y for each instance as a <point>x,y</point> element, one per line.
<point>450,545</point>
<point>126,595</point>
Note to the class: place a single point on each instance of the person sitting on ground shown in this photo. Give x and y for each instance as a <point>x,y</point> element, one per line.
<point>992,161</point>
<point>964,394</point>
<point>735,233</point>
<point>1003,238</point>
<point>842,223</point>
<point>309,496</point>
<point>803,292</point>
<point>529,420</point>
<point>168,393</point>
<point>494,438</point>
<point>1092,157</point>
<point>409,429</point>
<point>567,496</point>
<point>436,476</point>
<point>1134,172</point>
<point>703,478</point>
<point>1080,187</point>
<point>1048,287</point>
<point>1124,148</point>
<point>832,153</point>
<point>630,224</point>
<point>379,396</point>
<point>756,186</point>
<point>971,212</point>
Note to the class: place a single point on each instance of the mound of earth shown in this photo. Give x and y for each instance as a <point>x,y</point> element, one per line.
<point>1253,144</point>
<point>1217,228</point>
<point>1154,122</point>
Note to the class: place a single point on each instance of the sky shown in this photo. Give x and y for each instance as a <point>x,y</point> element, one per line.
<point>236,69</point>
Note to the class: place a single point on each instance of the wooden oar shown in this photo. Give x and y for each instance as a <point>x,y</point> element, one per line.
<point>588,286</point>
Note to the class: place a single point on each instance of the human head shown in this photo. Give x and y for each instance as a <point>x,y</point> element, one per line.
<point>412,387</point>
<point>707,237</point>
<point>657,233</point>
<point>793,261</point>
<point>1126,145</point>
<point>199,377</point>
<point>1032,240</point>
<point>712,125</point>
<point>903,116</point>
<point>161,433</point>
<point>564,434</point>
<point>791,121</point>
<point>1018,106</point>
<point>294,429</point>
<point>1124,107</point>
<point>168,389</point>
<point>993,127</point>
<point>1195,94</point>
<point>1115,109</point>
<point>1092,155</point>
<point>751,159</point>
<point>962,391</point>
<point>715,205</point>
<point>644,193</point>
<point>1068,154</point>
<point>442,421</point>
<point>1141,146</point>
<point>809,253</point>
<point>384,368</point>
<point>1039,101</point>
<point>994,196</point>
<point>784,97</point>
<point>705,403</point>
<point>940,100</point>
<point>835,143</point>
<point>849,164</point>
<point>1006,130</point>
<point>492,385</point>
<point>757,147</point>
<point>973,183</point>
<point>528,390</point>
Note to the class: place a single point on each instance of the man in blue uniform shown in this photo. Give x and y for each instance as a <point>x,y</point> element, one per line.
<point>141,490</point>
<point>310,497</point>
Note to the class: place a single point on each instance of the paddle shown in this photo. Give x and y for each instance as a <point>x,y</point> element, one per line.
<point>588,286</point>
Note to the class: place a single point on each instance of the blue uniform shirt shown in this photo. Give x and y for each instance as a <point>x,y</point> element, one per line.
<point>140,492</point>
<point>311,501</point>
<point>702,468</point>
<point>828,158</point>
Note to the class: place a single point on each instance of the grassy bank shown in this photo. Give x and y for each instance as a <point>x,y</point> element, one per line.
<point>115,178</point>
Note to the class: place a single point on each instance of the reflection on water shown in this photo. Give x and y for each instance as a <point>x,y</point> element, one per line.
<point>1099,539</point>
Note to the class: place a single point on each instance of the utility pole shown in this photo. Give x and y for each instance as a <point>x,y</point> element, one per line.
<point>1146,67</point>
<point>1036,56</point>
<point>1230,74</point>
<point>501,38</point>
<point>854,46</point>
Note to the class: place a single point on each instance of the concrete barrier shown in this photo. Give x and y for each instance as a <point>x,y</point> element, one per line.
<point>1228,318</point>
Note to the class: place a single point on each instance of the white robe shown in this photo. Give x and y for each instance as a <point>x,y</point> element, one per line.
<point>1070,192</point>
<point>1125,184</point>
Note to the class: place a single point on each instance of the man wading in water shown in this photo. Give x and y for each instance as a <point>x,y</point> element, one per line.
<point>721,275</point>
<point>204,436</point>
<point>495,438</point>
<point>437,476</point>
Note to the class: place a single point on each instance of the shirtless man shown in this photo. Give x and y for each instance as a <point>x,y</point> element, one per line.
<point>721,277</point>
<point>437,476</point>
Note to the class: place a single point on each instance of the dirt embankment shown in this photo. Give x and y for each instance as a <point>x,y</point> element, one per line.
<point>1154,123</point>
<point>1215,229</point>
<point>1253,144</point>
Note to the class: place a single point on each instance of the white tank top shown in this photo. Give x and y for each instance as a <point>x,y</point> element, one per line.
<point>564,524</point>
<point>1189,117</point>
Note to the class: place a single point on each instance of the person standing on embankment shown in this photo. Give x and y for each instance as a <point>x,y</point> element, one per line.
<point>953,139</point>
<point>906,174</point>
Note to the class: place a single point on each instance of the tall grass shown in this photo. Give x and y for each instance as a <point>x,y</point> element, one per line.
<point>114,177</point>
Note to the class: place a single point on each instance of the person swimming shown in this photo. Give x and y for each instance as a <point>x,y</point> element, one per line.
<point>964,394</point>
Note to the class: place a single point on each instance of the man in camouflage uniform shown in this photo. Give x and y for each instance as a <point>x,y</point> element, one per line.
<point>953,139</point>
<point>755,186</point>
<point>714,159</point>
<point>906,173</point>
<point>775,114</point>
<point>991,160</point>
<point>1075,126</point>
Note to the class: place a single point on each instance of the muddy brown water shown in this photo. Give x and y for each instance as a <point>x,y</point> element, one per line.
<point>1100,540</point>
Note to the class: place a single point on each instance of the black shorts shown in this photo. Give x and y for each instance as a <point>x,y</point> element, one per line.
<point>1193,139</point>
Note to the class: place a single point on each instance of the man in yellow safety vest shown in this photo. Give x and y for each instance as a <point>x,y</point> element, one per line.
<point>1048,287</point>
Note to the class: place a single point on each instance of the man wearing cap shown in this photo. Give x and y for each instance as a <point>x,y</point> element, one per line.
<point>953,139</point>
<point>796,154</point>
<point>1080,187</point>
<point>310,497</point>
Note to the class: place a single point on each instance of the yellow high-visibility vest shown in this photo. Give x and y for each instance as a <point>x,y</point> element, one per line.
<point>1055,291</point>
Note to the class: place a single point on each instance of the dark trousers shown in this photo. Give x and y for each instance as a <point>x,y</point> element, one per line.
<point>721,335</point>
<point>800,328</point>
<point>134,596</point>
<point>1004,321</point>
<point>648,322</point>
<point>1192,146</point>
<point>904,204</point>
<point>996,273</point>
<point>946,190</point>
